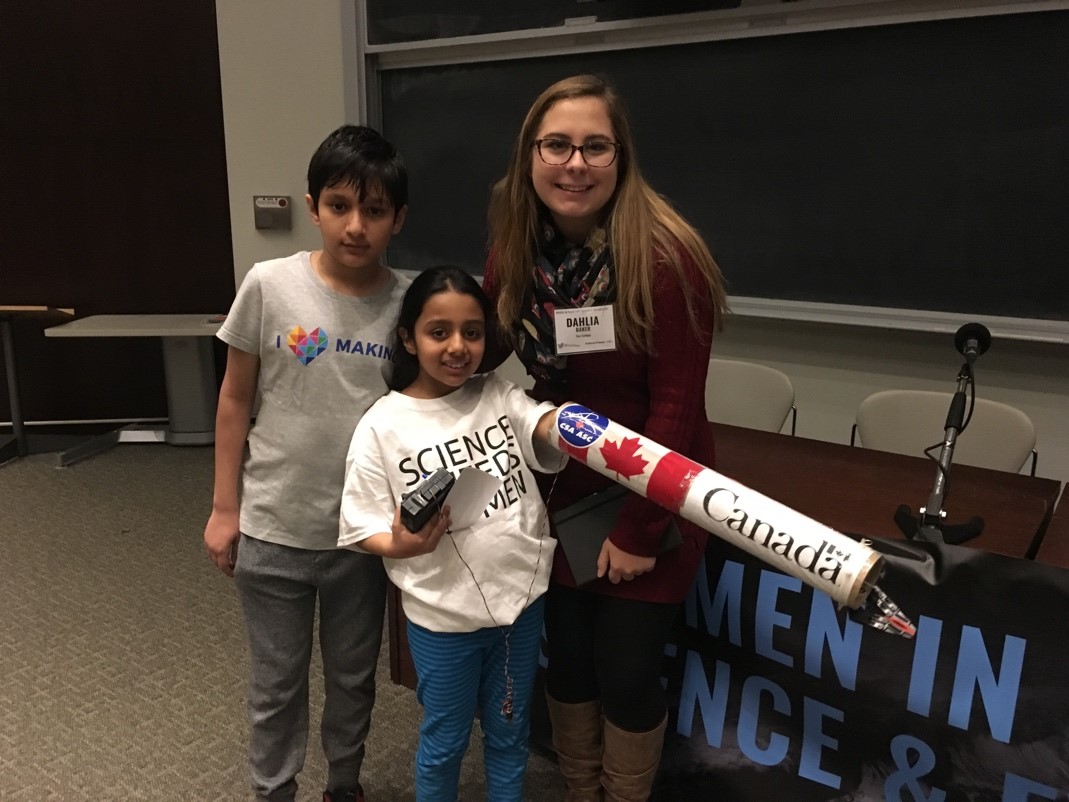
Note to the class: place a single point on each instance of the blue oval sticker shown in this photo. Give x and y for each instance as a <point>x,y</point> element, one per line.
<point>580,426</point>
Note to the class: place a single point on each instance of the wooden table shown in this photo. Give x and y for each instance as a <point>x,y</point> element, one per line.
<point>1054,550</point>
<point>21,443</point>
<point>189,373</point>
<point>857,490</point>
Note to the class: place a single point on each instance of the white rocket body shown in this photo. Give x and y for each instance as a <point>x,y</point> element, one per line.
<point>785,539</point>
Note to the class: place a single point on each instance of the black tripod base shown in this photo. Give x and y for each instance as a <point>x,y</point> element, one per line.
<point>952,534</point>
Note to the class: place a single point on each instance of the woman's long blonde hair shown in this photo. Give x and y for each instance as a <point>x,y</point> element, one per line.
<point>644,230</point>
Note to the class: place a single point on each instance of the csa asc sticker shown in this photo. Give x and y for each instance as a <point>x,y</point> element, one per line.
<point>580,426</point>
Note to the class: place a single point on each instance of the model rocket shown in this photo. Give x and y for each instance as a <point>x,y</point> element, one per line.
<point>785,539</point>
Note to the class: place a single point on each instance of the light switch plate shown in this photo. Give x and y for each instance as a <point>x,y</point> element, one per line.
<point>272,212</point>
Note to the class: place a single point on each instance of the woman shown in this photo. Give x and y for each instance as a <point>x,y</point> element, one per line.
<point>573,224</point>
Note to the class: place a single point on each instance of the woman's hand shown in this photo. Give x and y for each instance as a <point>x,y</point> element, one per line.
<point>620,564</point>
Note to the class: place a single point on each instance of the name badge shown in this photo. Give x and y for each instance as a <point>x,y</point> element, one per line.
<point>585,330</point>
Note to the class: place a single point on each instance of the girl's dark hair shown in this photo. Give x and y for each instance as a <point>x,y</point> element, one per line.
<point>430,282</point>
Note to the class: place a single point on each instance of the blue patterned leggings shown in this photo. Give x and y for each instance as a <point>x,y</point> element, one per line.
<point>461,673</point>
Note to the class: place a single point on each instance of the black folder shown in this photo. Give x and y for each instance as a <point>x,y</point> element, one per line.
<point>583,526</point>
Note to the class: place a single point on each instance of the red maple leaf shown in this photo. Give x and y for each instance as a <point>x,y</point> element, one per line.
<point>623,458</point>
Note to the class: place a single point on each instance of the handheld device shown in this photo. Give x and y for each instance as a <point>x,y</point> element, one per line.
<point>418,506</point>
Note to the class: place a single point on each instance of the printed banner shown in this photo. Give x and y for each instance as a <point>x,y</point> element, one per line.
<point>776,695</point>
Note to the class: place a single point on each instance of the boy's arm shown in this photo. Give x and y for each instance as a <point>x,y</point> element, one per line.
<point>236,398</point>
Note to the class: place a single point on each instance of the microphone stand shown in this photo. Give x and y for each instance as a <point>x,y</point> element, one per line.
<point>931,528</point>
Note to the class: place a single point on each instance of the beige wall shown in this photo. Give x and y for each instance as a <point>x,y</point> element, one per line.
<point>834,367</point>
<point>283,67</point>
<point>288,71</point>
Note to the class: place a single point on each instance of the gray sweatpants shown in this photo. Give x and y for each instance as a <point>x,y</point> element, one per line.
<point>278,587</point>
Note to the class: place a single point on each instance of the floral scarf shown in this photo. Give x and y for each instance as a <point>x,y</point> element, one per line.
<point>565,275</point>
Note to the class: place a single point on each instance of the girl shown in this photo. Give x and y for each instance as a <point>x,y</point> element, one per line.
<point>574,224</point>
<point>472,596</point>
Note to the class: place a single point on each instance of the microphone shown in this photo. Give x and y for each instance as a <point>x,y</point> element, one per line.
<point>971,340</point>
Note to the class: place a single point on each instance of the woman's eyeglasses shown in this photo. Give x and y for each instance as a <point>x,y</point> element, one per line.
<point>555,152</point>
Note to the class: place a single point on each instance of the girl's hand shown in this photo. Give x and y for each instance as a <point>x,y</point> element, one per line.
<point>620,564</point>
<point>413,544</point>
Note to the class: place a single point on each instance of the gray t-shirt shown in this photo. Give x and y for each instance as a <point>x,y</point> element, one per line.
<point>321,360</point>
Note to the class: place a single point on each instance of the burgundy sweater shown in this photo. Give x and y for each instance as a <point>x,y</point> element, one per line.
<point>661,397</point>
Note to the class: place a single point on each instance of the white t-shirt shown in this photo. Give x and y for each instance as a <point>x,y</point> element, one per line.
<point>321,360</point>
<point>488,423</point>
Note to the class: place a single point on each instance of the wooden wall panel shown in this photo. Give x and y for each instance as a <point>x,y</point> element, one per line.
<point>115,193</point>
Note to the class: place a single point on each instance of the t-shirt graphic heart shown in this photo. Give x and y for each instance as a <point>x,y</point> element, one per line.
<point>307,345</point>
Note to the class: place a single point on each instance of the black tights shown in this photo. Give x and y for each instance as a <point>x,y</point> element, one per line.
<point>608,649</point>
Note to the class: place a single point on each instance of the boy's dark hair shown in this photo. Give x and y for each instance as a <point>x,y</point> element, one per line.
<point>430,282</point>
<point>360,157</point>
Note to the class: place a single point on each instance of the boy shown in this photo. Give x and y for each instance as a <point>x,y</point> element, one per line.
<point>310,331</point>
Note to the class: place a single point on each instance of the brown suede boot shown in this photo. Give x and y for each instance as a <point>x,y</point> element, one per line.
<point>577,742</point>
<point>629,762</point>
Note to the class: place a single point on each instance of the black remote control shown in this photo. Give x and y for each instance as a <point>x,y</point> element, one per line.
<point>418,506</point>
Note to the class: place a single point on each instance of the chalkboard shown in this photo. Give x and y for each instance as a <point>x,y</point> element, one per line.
<point>390,21</point>
<point>913,166</point>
